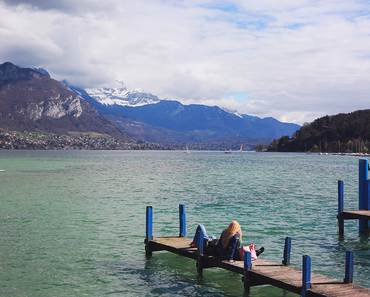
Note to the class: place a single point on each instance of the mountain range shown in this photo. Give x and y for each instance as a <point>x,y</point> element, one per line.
<point>33,101</point>
<point>169,120</point>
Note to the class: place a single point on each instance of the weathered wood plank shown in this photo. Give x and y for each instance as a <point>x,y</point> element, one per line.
<point>264,271</point>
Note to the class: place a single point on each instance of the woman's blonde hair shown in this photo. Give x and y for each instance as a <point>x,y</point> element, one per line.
<point>229,232</point>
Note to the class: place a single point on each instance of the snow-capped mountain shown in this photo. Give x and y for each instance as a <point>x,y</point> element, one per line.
<point>195,122</point>
<point>121,96</point>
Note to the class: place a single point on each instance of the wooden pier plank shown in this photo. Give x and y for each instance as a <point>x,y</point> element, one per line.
<point>264,271</point>
<point>355,214</point>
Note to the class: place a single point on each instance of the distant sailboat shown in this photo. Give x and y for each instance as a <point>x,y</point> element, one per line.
<point>241,149</point>
<point>187,150</point>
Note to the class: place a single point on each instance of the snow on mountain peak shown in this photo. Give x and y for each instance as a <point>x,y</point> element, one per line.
<point>121,96</point>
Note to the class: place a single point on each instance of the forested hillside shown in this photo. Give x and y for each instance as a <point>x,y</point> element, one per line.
<point>339,133</point>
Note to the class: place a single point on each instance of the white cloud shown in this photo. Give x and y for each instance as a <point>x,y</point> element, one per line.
<point>296,60</point>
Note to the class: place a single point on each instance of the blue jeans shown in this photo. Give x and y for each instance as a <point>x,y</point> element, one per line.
<point>206,237</point>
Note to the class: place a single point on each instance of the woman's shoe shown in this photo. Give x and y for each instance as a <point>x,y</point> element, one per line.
<point>193,245</point>
<point>260,251</point>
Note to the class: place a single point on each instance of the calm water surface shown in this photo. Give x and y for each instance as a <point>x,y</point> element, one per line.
<point>72,223</point>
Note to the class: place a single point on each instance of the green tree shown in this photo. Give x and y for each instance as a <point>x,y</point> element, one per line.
<point>273,146</point>
<point>315,148</point>
<point>258,147</point>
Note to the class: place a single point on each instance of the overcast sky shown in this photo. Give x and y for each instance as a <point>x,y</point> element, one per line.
<point>288,59</point>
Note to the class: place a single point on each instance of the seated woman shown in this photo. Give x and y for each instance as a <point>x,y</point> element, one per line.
<point>230,242</point>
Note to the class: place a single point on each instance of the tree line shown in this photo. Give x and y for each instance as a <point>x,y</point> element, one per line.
<point>339,133</point>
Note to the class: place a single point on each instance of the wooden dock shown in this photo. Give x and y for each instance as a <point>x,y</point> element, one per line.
<point>355,214</point>
<point>263,271</point>
<point>260,271</point>
<point>363,215</point>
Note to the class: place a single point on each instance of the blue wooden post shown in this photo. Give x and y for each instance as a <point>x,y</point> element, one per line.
<point>340,207</point>
<point>247,267</point>
<point>368,194</point>
<point>182,220</point>
<point>200,242</point>
<point>348,279</point>
<point>287,248</point>
<point>149,230</point>
<point>200,245</point>
<point>306,275</point>
<point>363,191</point>
<point>247,261</point>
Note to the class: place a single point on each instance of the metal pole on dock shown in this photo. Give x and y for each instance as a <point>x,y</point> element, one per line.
<point>182,220</point>
<point>306,275</point>
<point>149,230</point>
<point>200,243</point>
<point>363,192</point>
<point>348,279</point>
<point>287,249</point>
<point>247,267</point>
<point>340,207</point>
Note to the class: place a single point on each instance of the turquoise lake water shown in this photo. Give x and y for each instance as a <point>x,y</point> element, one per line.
<point>72,223</point>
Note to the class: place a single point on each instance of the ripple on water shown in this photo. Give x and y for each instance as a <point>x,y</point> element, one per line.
<point>73,223</point>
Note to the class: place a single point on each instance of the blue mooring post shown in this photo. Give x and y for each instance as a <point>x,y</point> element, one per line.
<point>363,191</point>
<point>368,194</point>
<point>287,249</point>
<point>306,275</point>
<point>340,207</point>
<point>182,220</point>
<point>348,279</point>
<point>149,230</point>
<point>200,243</point>
<point>247,267</point>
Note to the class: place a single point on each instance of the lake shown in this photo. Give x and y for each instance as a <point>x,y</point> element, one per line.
<point>72,223</point>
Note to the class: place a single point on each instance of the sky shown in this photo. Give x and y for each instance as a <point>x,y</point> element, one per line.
<point>292,60</point>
